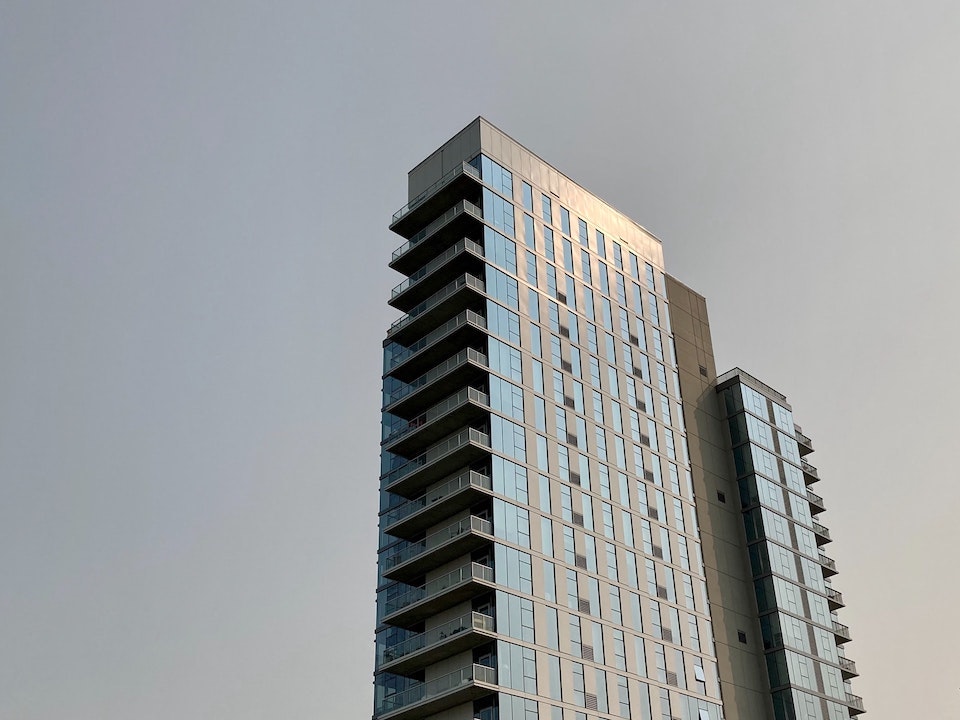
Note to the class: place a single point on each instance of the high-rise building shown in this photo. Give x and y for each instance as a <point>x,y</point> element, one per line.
<point>579,518</point>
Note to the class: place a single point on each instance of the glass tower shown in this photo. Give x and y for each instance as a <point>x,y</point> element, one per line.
<point>540,552</point>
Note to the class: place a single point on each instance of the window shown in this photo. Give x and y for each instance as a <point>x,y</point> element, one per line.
<point>527,193</point>
<point>547,210</point>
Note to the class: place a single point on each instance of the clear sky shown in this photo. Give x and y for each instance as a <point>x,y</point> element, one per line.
<point>194,199</point>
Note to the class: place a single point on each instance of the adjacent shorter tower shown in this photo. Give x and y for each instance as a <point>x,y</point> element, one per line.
<point>579,519</point>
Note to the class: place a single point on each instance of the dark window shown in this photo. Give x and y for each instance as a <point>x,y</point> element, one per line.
<point>742,636</point>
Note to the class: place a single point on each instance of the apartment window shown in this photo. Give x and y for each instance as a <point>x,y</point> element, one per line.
<point>565,220</point>
<point>547,208</point>
<point>527,195</point>
<point>618,256</point>
<point>582,234</point>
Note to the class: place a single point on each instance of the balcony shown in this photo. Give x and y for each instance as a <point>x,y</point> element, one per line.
<point>810,474</point>
<point>829,566</point>
<point>459,493</point>
<point>437,644</point>
<point>439,594</point>
<point>464,219</point>
<point>841,632</point>
<point>805,443</point>
<point>458,410</point>
<point>443,458</point>
<point>407,363</point>
<point>461,369</point>
<point>834,599</point>
<point>460,538</point>
<point>821,532</point>
<point>855,703</point>
<point>452,185</point>
<point>459,687</point>
<point>453,298</point>
<point>848,668</point>
<point>465,256</point>
<point>816,503</point>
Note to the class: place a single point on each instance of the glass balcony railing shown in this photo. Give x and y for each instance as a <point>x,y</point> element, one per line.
<point>440,537</point>
<point>435,452</point>
<point>437,586</point>
<point>468,394</point>
<point>441,686</point>
<point>855,701</point>
<point>464,245</point>
<point>841,630</point>
<point>461,358</point>
<point>848,666</point>
<point>821,530</point>
<point>828,563</point>
<point>801,437</point>
<point>464,206</point>
<point>437,298</point>
<point>834,596</point>
<point>467,317</point>
<point>471,478</point>
<point>809,469</point>
<point>437,635</point>
<point>462,169</point>
<point>815,499</point>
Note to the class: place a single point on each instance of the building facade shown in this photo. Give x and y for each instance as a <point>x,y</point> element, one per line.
<point>579,519</point>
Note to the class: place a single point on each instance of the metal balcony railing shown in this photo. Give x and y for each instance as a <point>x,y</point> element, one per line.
<point>461,358</point>
<point>439,261</point>
<point>464,206</point>
<point>470,478</point>
<point>437,586</point>
<point>437,635</point>
<point>435,452</point>
<point>468,394</point>
<point>440,537</point>
<point>431,302</point>
<point>441,686</point>
<point>467,317</point>
<point>463,169</point>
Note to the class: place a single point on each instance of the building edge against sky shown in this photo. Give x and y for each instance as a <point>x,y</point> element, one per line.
<point>579,519</point>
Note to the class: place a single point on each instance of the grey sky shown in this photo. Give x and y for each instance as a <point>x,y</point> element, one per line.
<point>193,246</point>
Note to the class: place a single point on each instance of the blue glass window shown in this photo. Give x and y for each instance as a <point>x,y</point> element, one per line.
<point>500,250</point>
<point>503,322</point>
<point>504,360</point>
<point>508,438</point>
<point>497,176</point>
<point>502,287</point>
<point>498,212</point>
<point>506,398</point>
<point>528,233</point>
<point>527,195</point>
